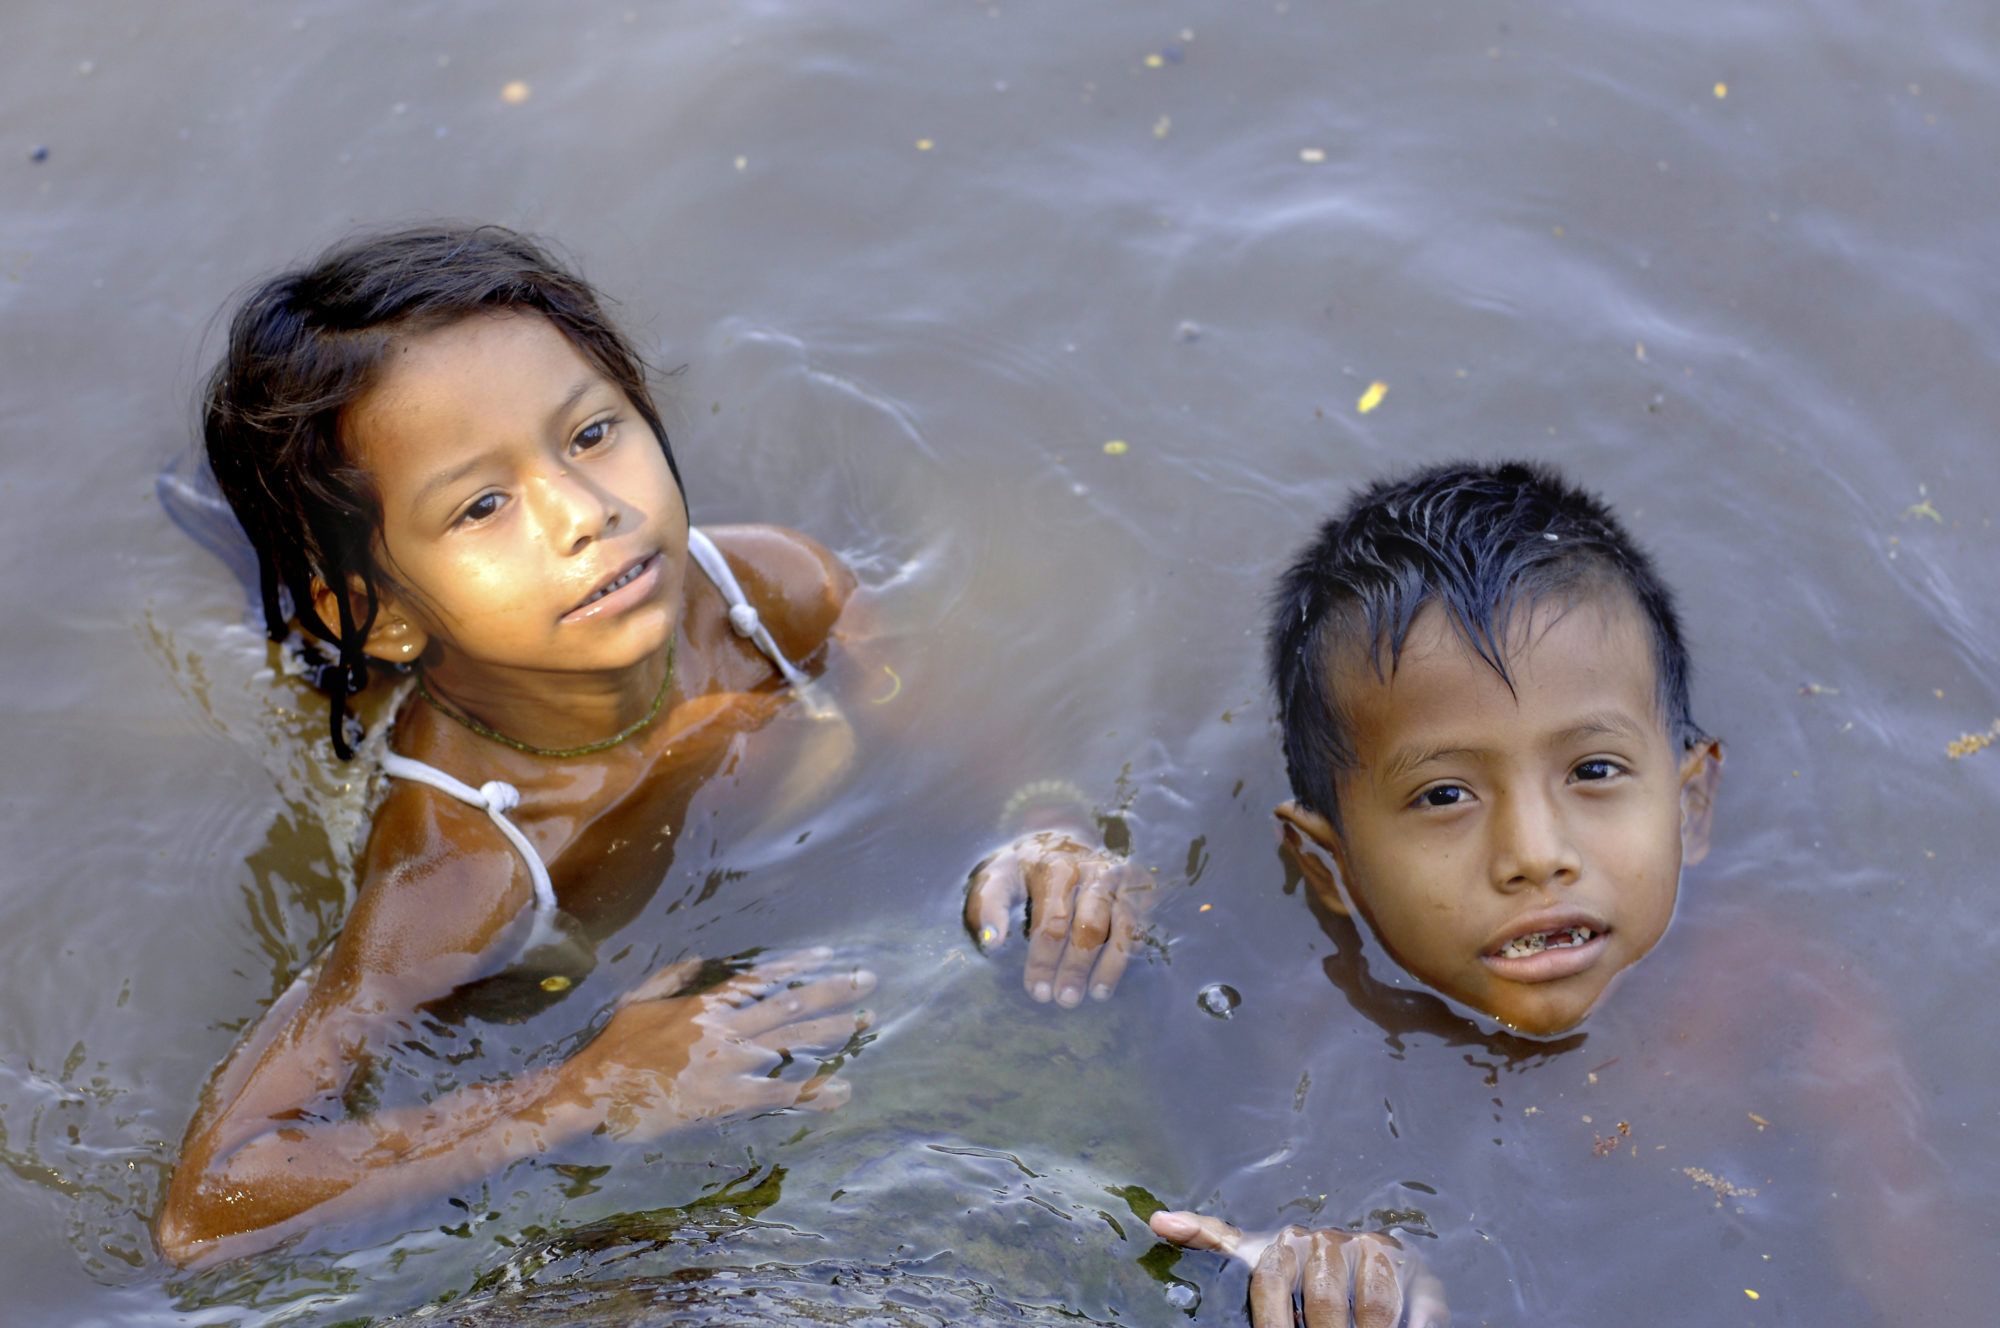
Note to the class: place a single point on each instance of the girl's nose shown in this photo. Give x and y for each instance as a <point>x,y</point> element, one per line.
<point>579,510</point>
<point>1532,846</point>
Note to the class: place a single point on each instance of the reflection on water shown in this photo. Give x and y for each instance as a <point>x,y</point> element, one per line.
<point>1729,263</point>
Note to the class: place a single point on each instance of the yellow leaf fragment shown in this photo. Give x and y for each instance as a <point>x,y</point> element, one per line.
<point>1973,742</point>
<point>1746,1290</point>
<point>1923,508</point>
<point>1761,1122</point>
<point>555,982</point>
<point>516,92</point>
<point>1372,397</point>
<point>1721,91</point>
<point>1117,447</point>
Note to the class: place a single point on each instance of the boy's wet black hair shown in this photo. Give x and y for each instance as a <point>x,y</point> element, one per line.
<point>1479,540</point>
<point>306,345</point>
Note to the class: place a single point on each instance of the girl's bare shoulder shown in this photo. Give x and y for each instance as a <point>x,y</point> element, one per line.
<point>798,584</point>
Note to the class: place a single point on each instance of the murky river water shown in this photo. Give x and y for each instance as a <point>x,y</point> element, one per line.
<point>1733,264</point>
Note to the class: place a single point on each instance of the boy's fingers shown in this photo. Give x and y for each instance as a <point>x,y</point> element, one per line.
<point>1271,1284</point>
<point>1378,1287</point>
<point>1050,887</point>
<point>1196,1232</point>
<point>823,1092</point>
<point>1111,961</point>
<point>1090,924</point>
<point>989,904</point>
<point>804,1002</point>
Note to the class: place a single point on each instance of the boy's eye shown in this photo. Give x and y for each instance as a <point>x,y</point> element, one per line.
<point>1444,795</point>
<point>485,505</point>
<point>1589,771</point>
<point>591,435</point>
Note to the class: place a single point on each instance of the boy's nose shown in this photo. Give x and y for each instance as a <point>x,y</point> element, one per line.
<point>1532,845</point>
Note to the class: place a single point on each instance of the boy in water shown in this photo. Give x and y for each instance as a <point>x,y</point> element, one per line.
<point>1484,698</point>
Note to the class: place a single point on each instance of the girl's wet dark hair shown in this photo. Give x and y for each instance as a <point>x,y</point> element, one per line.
<point>305,346</point>
<point>1479,540</point>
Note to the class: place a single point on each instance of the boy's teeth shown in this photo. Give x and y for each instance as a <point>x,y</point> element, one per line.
<point>614,585</point>
<point>1538,941</point>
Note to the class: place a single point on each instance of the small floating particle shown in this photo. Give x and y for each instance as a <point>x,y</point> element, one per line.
<point>1761,1122</point>
<point>742,163</point>
<point>1312,156</point>
<point>1117,447</point>
<point>1817,689</point>
<point>1721,91</point>
<point>1155,61</point>
<point>555,982</point>
<point>1923,508</point>
<point>516,92</point>
<point>1973,742</point>
<point>1556,231</point>
<point>86,67</point>
<point>1639,351</point>
<point>1372,397</point>
<point>925,145</point>
<point>1746,1290</point>
<point>38,153</point>
<point>891,695</point>
<point>1204,908</point>
<point>1189,330</point>
<point>1162,126</point>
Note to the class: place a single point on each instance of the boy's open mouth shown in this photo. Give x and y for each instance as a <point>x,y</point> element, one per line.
<point>1562,938</point>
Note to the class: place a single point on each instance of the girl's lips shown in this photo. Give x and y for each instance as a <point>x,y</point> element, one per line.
<point>1557,961</point>
<point>639,581</point>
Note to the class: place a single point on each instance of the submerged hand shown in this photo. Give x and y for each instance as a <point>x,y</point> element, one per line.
<point>1085,913</point>
<point>1364,1279</point>
<point>667,1059</point>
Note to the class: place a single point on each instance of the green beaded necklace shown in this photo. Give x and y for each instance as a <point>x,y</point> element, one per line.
<point>587,749</point>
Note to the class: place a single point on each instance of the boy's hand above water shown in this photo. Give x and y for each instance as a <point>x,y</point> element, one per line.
<point>1086,910</point>
<point>1339,1278</point>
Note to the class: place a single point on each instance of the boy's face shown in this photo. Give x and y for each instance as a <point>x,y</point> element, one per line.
<point>1516,850</point>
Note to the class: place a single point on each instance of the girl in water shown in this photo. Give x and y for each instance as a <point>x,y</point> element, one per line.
<point>447,459</point>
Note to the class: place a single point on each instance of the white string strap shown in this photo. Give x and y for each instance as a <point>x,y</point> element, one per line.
<point>742,613</point>
<point>496,798</point>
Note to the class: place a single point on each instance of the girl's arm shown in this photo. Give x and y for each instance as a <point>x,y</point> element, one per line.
<point>275,1147</point>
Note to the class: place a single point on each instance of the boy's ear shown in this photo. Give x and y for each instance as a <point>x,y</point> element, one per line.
<point>1701,774</point>
<point>1314,846</point>
<point>394,638</point>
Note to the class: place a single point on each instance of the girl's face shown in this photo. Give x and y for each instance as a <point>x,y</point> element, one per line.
<point>529,519</point>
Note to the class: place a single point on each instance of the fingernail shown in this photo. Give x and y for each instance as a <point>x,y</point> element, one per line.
<point>864,979</point>
<point>1071,998</point>
<point>1100,992</point>
<point>1172,1225</point>
<point>821,951</point>
<point>1042,992</point>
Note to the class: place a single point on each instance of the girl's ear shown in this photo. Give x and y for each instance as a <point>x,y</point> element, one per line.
<point>395,638</point>
<point>1701,774</point>
<point>1313,845</point>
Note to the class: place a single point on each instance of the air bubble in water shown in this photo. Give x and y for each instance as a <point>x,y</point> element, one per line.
<point>1219,999</point>
<point>1184,1296</point>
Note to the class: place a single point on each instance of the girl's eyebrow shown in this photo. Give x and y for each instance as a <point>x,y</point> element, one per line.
<point>446,478</point>
<point>578,390</point>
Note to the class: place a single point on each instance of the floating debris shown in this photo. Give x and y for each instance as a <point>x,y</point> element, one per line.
<point>516,92</point>
<point>1923,508</point>
<point>891,694</point>
<point>1815,689</point>
<point>38,154</point>
<point>1753,1295</point>
<point>1117,447</point>
<point>1721,91</point>
<point>1761,1122</point>
<point>1372,397</point>
<point>1973,742</point>
<point>555,982</point>
<point>1219,999</point>
<point>1163,126</point>
<point>742,163</point>
<point>1155,61</point>
<point>1723,1189</point>
<point>1312,156</point>
<point>925,145</point>
<point>1189,330</point>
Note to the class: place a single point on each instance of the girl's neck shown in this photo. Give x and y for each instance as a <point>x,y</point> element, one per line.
<point>549,713</point>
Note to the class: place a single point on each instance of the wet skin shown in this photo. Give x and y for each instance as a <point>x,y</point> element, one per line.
<point>515,482</point>
<point>1549,819</point>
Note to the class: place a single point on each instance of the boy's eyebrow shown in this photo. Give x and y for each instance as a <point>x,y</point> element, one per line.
<point>1603,724</point>
<point>1411,758</point>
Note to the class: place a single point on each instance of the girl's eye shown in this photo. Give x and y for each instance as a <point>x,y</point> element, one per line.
<point>1592,771</point>
<point>485,505</point>
<point>591,435</point>
<point>1444,795</point>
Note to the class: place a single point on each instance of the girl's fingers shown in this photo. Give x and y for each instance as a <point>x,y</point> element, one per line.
<point>989,904</point>
<point>790,1005</point>
<point>766,976</point>
<point>807,1036</point>
<point>663,983</point>
<point>824,1092</point>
